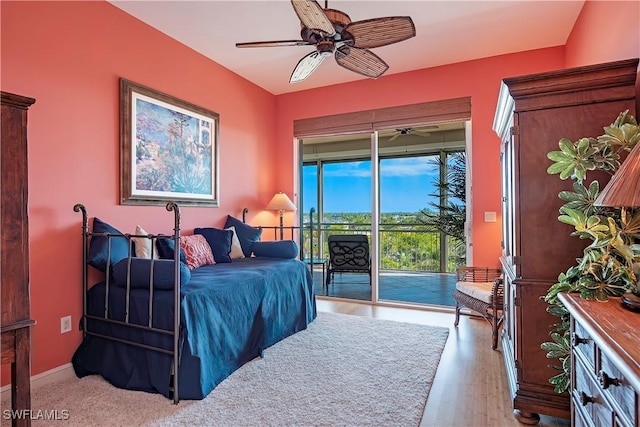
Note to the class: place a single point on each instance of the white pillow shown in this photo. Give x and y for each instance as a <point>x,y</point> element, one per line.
<point>143,244</point>
<point>236,249</point>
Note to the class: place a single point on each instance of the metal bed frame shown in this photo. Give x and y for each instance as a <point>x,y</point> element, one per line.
<point>311,260</point>
<point>175,334</point>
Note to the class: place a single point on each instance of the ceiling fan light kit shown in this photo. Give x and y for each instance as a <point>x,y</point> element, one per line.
<point>332,33</point>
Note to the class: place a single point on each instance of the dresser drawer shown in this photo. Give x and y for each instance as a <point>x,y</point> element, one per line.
<point>618,390</point>
<point>579,419</point>
<point>589,396</point>
<point>601,394</point>
<point>584,345</point>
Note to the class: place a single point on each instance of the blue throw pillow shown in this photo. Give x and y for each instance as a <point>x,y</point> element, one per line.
<point>247,234</point>
<point>220,242</point>
<point>140,275</point>
<point>99,253</point>
<point>277,249</point>
<point>165,249</point>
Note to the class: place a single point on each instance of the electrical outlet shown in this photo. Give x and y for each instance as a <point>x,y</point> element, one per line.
<point>65,324</point>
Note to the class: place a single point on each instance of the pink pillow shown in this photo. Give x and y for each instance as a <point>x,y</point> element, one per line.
<point>196,250</point>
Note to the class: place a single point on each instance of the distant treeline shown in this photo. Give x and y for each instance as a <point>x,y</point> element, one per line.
<point>405,242</point>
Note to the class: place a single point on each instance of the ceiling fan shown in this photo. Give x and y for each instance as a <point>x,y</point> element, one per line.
<point>332,33</point>
<point>413,131</point>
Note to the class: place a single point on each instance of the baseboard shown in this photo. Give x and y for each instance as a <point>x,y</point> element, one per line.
<point>56,374</point>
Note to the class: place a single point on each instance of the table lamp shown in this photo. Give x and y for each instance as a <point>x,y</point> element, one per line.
<point>281,202</point>
<point>623,191</point>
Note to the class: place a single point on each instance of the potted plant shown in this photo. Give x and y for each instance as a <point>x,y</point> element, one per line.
<point>607,266</point>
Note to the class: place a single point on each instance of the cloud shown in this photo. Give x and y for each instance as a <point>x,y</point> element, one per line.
<point>411,166</point>
<point>405,167</point>
<point>350,169</point>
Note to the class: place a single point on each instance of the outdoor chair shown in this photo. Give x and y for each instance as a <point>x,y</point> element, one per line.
<point>481,289</point>
<point>348,254</point>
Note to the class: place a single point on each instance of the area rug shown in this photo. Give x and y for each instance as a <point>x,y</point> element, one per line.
<point>342,371</point>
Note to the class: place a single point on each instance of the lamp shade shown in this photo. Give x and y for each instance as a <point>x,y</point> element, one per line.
<point>281,202</point>
<point>623,190</point>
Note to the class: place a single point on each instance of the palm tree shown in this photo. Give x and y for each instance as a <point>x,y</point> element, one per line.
<point>449,214</point>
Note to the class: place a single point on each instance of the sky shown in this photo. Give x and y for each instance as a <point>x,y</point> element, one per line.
<point>405,185</point>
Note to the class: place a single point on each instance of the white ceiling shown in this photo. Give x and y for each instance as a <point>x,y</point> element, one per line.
<point>447,32</point>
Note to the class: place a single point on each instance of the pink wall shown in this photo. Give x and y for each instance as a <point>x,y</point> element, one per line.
<point>478,79</point>
<point>69,56</point>
<point>605,31</point>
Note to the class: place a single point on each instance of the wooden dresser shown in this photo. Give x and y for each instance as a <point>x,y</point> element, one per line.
<point>605,359</point>
<point>14,264</point>
<point>534,112</point>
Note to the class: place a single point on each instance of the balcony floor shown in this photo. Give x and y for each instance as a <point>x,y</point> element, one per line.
<point>401,286</point>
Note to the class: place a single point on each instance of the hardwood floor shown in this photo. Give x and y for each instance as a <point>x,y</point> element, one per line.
<point>470,387</point>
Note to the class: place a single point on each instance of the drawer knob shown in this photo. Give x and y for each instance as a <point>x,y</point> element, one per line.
<point>584,399</point>
<point>576,340</point>
<point>606,380</point>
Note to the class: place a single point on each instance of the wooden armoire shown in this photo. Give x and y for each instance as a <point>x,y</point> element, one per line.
<point>534,112</point>
<point>14,266</point>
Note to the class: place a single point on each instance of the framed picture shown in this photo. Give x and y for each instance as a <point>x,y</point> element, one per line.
<point>168,149</point>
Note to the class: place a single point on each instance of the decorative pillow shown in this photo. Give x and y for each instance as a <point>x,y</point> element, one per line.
<point>236,248</point>
<point>219,241</point>
<point>165,249</point>
<point>99,255</point>
<point>277,249</point>
<point>196,250</point>
<point>144,244</point>
<point>247,235</point>
<point>140,273</point>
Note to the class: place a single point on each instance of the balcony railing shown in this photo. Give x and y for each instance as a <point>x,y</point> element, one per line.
<point>403,246</point>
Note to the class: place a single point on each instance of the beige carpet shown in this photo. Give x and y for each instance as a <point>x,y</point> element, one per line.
<point>342,371</point>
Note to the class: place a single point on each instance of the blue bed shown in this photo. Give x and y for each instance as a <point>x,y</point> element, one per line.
<point>229,314</point>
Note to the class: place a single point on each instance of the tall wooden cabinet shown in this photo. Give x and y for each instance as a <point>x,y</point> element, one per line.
<point>534,112</point>
<point>14,266</point>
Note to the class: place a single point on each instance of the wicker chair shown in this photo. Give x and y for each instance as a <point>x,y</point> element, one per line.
<point>482,290</point>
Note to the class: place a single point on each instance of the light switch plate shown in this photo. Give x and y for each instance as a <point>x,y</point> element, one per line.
<point>489,217</point>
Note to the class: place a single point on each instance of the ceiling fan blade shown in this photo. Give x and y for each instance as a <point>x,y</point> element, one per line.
<point>306,66</point>
<point>312,16</point>
<point>274,43</point>
<point>361,61</point>
<point>394,137</point>
<point>378,32</point>
<point>422,133</point>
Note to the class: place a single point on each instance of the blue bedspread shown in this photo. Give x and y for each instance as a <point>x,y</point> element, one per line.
<point>230,313</point>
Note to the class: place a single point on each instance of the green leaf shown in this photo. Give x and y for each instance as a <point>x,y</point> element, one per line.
<point>567,172</point>
<point>561,382</point>
<point>556,168</point>
<point>567,220</point>
<point>557,311</point>
<point>559,156</point>
<point>567,147</point>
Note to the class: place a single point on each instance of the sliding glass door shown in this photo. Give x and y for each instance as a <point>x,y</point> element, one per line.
<point>386,186</point>
<point>414,251</point>
<point>336,182</point>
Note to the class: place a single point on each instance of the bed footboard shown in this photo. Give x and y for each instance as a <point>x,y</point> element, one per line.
<point>133,321</point>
